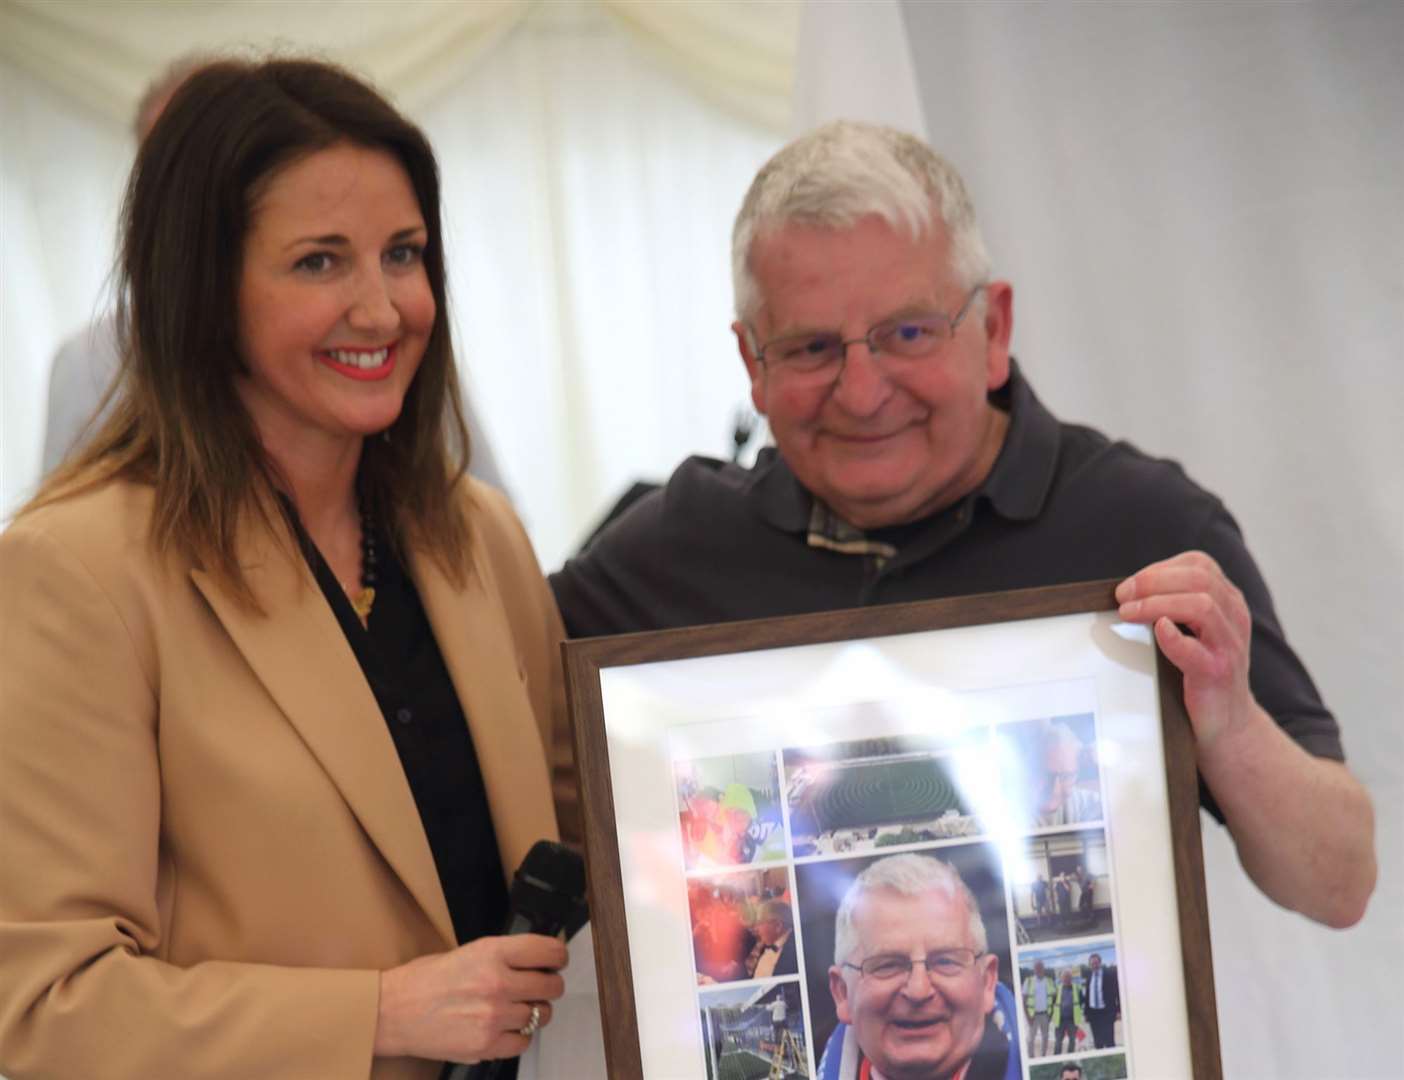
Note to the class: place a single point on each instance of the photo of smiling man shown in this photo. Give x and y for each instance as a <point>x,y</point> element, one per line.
<point>914,982</point>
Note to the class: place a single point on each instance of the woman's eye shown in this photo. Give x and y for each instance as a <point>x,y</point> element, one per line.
<point>315,262</point>
<point>405,255</point>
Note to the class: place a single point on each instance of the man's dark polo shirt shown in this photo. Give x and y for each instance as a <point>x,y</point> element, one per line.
<point>1063,503</point>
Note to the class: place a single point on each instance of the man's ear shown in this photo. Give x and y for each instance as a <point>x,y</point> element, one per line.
<point>838,987</point>
<point>999,328</point>
<point>755,370</point>
<point>989,976</point>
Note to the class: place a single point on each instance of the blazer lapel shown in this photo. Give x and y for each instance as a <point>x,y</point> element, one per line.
<point>299,653</point>
<point>475,638</point>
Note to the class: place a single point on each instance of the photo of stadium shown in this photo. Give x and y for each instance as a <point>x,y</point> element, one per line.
<point>757,1033</point>
<point>855,797</point>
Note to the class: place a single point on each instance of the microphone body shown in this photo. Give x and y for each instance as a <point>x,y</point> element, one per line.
<point>547,897</point>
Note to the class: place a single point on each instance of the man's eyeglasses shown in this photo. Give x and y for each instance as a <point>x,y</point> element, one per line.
<point>945,964</point>
<point>821,356</point>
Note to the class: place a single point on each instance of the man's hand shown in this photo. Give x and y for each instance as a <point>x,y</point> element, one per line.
<point>1303,826</point>
<point>1191,590</point>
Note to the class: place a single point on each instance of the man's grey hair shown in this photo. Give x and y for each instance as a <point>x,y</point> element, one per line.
<point>844,171</point>
<point>909,875</point>
<point>778,910</point>
<point>1053,733</point>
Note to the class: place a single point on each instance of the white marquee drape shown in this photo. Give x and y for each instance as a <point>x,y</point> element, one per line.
<point>593,155</point>
<point>592,282</point>
<point>1199,206</point>
<point>1201,209</point>
<point>736,51</point>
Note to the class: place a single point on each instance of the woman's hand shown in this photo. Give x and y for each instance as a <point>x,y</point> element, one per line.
<point>469,1004</point>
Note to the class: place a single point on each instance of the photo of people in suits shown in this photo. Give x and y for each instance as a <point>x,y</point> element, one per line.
<point>742,925</point>
<point>1071,999</point>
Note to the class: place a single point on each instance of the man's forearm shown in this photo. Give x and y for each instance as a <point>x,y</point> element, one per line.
<point>1304,827</point>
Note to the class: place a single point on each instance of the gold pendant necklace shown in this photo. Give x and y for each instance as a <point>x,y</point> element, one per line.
<point>362,603</point>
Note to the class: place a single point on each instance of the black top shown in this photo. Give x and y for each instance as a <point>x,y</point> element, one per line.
<point>1063,503</point>
<point>402,663</point>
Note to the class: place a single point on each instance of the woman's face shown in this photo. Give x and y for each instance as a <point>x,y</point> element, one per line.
<point>335,308</point>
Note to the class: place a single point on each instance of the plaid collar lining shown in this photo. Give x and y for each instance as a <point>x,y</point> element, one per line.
<point>829,531</point>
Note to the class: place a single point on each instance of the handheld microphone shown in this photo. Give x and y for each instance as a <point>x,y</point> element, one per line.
<point>547,897</point>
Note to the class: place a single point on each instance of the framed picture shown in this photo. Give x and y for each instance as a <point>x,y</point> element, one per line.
<point>902,838</point>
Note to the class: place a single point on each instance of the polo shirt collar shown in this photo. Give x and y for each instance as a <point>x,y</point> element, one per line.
<point>776,495</point>
<point>1019,482</point>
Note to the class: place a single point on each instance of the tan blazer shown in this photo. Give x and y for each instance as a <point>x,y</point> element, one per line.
<point>208,849</point>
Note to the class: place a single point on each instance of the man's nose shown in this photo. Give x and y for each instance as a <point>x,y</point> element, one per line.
<point>862,387</point>
<point>918,985</point>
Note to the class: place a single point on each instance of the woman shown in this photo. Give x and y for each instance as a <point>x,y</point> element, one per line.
<point>276,679</point>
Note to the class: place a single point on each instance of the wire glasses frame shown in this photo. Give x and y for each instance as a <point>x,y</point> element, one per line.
<point>907,336</point>
<point>946,964</point>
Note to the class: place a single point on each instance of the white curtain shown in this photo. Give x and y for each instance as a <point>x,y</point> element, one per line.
<point>593,155</point>
<point>1202,212</point>
<point>1199,206</point>
<point>590,200</point>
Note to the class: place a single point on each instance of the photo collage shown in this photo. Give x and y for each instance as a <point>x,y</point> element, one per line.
<point>884,902</point>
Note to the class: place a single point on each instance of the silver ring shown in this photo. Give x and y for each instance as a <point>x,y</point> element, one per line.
<point>533,1024</point>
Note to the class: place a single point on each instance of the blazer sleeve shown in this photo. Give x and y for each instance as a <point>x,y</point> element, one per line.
<point>538,633</point>
<point>84,991</point>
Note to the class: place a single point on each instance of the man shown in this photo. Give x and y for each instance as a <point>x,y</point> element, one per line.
<point>1103,1002</point>
<point>774,950</point>
<point>1063,891</point>
<point>1087,884</point>
<point>914,986</point>
<point>87,362</point>
<point>778,1014</point>
<point>1038,899</point>
<point>913,460</point>
<point>1039,990</point>
<point>1067,1013</point>
<point>1070,1071</point>
<point>1058,800</point>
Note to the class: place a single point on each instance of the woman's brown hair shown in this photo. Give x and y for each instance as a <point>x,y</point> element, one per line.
<point>177,421</point>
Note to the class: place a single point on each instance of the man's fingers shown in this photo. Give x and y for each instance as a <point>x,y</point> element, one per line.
<point>1210,621</point>
<point>1190,571</point>
<point>1186,652</point>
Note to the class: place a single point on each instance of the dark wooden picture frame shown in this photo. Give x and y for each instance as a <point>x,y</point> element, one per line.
<point>586,659</point>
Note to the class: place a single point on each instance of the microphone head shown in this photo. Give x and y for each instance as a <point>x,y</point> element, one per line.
<point>548,890</point>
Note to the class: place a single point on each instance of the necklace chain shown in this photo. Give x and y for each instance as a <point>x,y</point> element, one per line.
<point>364,600</point>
